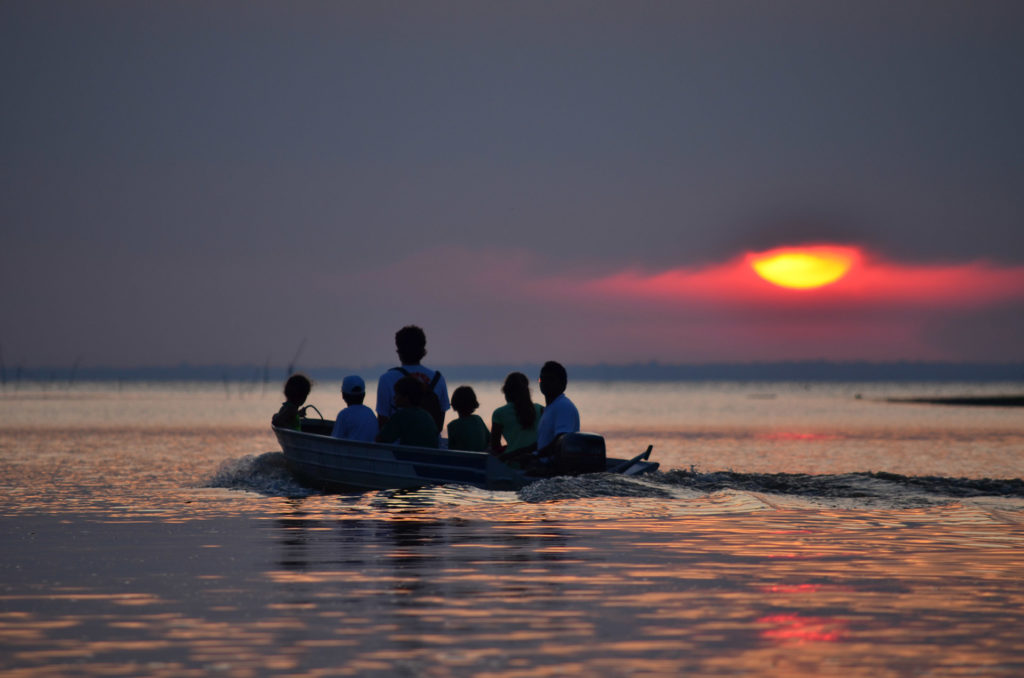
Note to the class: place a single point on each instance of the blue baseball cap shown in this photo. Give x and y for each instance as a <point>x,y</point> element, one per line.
<point>353,385</point>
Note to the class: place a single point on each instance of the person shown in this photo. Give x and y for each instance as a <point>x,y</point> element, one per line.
<point>356,421</point>
<point>560,414</point>
<point>410,424</point>
<point>517,419</point>
<point>296,390</point>
<point>468,432</point>
<point>411,345</point>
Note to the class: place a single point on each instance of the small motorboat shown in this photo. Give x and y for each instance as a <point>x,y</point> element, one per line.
<point>319,460</point>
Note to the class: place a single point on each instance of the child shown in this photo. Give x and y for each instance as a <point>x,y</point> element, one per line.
<point>296,389</point>
<point>468,432</point>
<point>357,421</point>
<point>410,424</point>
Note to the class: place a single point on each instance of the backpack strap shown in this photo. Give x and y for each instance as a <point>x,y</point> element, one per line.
<point>405,372</point>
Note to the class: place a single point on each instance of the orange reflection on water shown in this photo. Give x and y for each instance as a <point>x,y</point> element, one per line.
<point>464,582</point>
<point>793,627</point>
<point>805,588</point>
<point>795,435</point>
<point>796,588</point>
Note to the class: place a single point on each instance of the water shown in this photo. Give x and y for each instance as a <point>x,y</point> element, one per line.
<point>795,530</point>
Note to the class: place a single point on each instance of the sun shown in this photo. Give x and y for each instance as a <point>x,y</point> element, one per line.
<point>804,267</point>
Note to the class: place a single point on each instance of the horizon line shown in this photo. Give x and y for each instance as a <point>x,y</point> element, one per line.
<point>652,370</point>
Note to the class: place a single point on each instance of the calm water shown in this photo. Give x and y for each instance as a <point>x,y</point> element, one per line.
<point>795,530</point>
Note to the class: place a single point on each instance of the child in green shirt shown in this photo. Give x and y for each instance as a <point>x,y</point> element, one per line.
<point>411,424</point>
<point>468,432</point>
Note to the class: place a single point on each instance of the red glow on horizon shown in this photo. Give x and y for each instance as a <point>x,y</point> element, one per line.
<point>869,282</point>
<point>882,309</point>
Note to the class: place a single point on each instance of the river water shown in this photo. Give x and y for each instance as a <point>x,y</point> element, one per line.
<point>794,529</point>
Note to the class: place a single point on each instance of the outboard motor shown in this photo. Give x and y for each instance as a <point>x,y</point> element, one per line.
<point>578,453</point>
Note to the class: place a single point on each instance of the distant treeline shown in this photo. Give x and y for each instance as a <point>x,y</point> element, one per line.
<point>652,371</point>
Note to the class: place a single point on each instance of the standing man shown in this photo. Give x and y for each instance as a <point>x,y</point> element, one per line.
<point>560,415</point>
<point>411,345</point>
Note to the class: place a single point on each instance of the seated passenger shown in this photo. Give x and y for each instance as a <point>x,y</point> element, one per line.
<point>296,390</point>
<point>468,432</point>
<point>410,424</point>
<point>560,415</point>
<point>517,419</point>
<point>357,421</point>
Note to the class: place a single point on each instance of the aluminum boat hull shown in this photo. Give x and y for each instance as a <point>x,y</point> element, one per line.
<point>334,464</point>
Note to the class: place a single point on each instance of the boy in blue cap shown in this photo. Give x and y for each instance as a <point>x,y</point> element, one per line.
<point>357,421</point>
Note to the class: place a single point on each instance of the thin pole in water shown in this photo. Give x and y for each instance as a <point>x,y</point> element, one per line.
<point>291,365</point>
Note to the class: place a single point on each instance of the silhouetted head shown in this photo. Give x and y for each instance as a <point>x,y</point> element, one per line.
<point>553,380</point>
<point>411,343</point>
<point>516,384</point>
<point>297,388</point>
<point>517,392</point>
<point>408,392</point>
<point>353,389</point>
<point>464,400</point>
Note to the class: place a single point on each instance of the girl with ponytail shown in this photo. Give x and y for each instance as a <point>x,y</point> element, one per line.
<point>517,420</point>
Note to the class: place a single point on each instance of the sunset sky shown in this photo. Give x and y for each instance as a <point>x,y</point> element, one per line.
<point>580,181</point>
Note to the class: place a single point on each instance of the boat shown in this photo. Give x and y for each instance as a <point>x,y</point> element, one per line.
<point>324,462</point>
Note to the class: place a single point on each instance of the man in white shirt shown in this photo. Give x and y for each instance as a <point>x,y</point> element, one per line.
<point>560,415</point>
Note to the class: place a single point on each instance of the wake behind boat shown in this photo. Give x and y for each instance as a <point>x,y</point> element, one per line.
<point>320,460</point>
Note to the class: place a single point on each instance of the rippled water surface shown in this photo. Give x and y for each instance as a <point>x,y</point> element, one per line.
<point>793,530</point>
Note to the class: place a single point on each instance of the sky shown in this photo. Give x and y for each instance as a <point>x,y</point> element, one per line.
<point>224,183</point>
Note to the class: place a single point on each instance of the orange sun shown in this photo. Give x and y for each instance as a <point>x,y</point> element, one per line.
<point>804,267</point>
